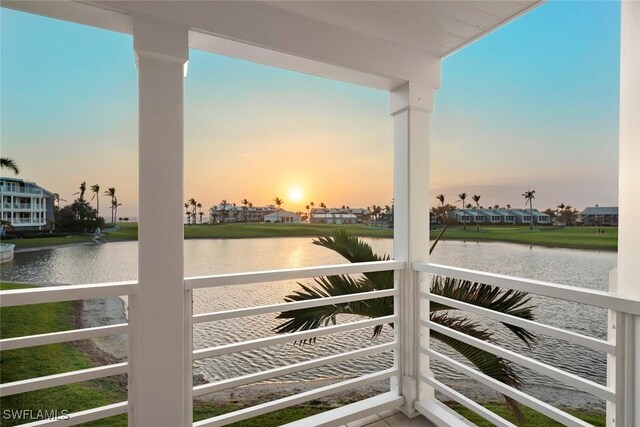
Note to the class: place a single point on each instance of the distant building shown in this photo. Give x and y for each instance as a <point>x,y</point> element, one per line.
<point>338,215</point>
<point>499,216</point>
<point>224,213</point>
<point>599,216</point>
<point>282,216</point>
<point>25,205</point>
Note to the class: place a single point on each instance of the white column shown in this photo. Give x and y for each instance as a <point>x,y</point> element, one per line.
<point>411,105</point>
<point>160,379</point>
<point>628,274</point>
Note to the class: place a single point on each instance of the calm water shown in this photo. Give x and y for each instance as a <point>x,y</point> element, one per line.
<point>118,261</point>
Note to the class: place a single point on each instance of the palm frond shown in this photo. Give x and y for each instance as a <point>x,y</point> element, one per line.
<point>487,363</point>
<point>509,302</point>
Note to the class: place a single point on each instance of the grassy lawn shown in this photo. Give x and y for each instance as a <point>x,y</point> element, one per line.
<point>533,418</point>
<point>567,237</point>
<point>26,363</point>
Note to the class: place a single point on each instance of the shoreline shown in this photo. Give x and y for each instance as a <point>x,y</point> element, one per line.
<point>456,239</point>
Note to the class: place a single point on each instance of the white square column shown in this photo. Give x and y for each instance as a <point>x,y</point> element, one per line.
<point>627,380</point>
<point>159,315</point>
<point>411,105</point>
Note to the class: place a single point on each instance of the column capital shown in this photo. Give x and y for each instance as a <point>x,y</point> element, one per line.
<point>160,40</point>
<point>412,96</point>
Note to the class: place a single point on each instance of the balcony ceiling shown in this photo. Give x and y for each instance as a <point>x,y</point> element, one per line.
<point>374,43</point>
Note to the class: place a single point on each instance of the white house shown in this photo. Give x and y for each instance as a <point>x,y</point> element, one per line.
<point>282,216</point>
<point>25,205</point>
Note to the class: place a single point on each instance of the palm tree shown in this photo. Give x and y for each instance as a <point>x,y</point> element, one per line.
<point>510,302</point>
<point>115,205</point>
<point>441,198</point>
<point>463,197</point>
<point>111,192</point>
<point>199,206</point>
<point>279,202</point>
<point>83,189</point>
<point>8,163</point>
<point>187,213</point>
<point>528,197</point>
<point>95,189</point>
<point>194,206</point>
<point>476,199</point>
<point>245,203</point>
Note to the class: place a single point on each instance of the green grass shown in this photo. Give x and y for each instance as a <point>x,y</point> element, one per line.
<point>533,418</point>
<point>567,237</point>
<point>32,362</point>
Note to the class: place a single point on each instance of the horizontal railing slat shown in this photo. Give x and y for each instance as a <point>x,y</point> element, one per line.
<point>276,308</point>
<point>47,294</point>
<point>295,336</point>
<point>552,331</point>
<point>570,379</point>
<point>467,403</point>
<point>540,406</point>
<point>289,369</point>
<point>64,336</point>
<point>82,417</point>
<point>591,297</point>
<point>296,399</point>
<point>38,383</point>
<point>290,274</point>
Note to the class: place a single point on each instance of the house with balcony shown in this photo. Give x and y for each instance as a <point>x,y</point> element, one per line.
<point>599,216</point>
<point>395,47</point>
<point>25,205</point>
<point>281,215</point>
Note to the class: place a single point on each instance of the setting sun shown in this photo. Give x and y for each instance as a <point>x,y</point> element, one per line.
<point>295,194</point>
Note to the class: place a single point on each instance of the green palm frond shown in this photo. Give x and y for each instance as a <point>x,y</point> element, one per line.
<point>509,302</point>
<point>354,250</point>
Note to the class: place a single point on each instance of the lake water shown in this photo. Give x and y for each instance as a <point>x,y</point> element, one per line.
<point>118,261</point>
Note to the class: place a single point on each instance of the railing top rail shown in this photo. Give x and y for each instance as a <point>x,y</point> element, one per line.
<point>591,297</point>
<point>46,294</point>
<point>289,274</point>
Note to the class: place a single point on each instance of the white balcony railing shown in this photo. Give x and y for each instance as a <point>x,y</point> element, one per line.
<point>623,309</point>
<point>67,293</point>
<point>617,347</point>
<point>20,190</point>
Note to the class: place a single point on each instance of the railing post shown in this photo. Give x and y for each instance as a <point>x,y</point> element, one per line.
<point>628,274</point>
<point>159,377</point>
<point>411,105</point>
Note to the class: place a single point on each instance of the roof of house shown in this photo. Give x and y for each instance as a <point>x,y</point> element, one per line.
<point>597,210</point>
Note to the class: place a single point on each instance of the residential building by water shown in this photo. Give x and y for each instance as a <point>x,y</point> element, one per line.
<point>25,205</point>
<point>499,216</point>
<point>599,216</point>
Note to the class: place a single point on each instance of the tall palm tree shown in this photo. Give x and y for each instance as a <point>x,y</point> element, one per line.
<point>528,197</point>
<point>199,206</point>
<point>476,198</point>
<point>111,192</point>
<point>194,206</point>
<point>8,163</point>
<point>83,189</point>
<point>115,206</point>
<point>245,203</point>
<point>187,213</point>
<point>279,202</point>
<point>510,302</point>
<point>441,198</point>
<point>95,189</point>
<point>463,197</point>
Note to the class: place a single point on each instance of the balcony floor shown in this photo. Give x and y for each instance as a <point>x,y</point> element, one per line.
<point>392,418</point>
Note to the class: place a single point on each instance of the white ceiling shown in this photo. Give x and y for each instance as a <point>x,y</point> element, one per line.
<point>379,44</point>
<point>436,27</point>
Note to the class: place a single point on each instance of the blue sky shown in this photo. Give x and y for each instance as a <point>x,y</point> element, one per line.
<point>533,105</point>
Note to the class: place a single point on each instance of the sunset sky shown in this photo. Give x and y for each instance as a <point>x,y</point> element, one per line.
<point>533,106</point>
